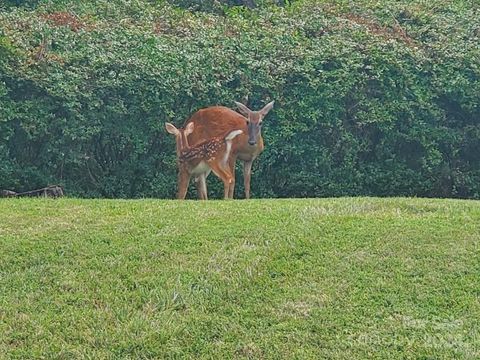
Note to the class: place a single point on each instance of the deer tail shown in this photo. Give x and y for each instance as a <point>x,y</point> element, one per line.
<point>232,134</point>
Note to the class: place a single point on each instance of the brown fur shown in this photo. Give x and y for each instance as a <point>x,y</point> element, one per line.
<point>212,152</point>
<point>217,120</point>
<point>203,151</point>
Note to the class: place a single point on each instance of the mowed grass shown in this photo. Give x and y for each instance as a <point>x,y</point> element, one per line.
<point>352,278</point>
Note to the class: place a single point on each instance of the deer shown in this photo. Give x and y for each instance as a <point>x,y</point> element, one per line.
<point>209,155</point>
<point>214,121</point>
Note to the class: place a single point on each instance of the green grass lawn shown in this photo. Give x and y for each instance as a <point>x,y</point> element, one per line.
<point>355,278</point>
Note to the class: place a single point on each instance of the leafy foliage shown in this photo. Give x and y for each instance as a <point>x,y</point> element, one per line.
<point>373,100</point>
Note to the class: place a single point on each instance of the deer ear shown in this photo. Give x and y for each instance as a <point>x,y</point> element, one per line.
<point>171,129</point>
<point>189,128</point>
<point>243,109</point>
<point>267,108</point>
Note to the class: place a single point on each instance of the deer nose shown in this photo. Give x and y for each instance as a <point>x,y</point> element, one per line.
<point>251,142</point>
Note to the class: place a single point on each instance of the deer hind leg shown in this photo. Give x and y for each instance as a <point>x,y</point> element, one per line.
<point>198,185</point>
<point>247,174</point>
<point>183,180</point>
<point>225,175</point>
<point>202,186</point>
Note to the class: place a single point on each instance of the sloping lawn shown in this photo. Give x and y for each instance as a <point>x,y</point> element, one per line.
<point>355,278</point>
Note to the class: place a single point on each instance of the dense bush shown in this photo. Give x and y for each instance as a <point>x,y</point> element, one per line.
<point>376,100</point>
<point>218,6</point>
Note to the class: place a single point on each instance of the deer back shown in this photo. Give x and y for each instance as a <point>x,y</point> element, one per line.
<point>216,121</point>
<point>203,151</point>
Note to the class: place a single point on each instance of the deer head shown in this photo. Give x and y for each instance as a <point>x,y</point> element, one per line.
<point>180,135</point>
<point>254,120</point>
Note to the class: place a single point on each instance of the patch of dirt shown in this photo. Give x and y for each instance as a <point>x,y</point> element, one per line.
<point>64,18</point>
<point>395,32</point>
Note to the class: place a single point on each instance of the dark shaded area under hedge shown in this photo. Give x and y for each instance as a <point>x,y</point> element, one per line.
<point>369,100</point>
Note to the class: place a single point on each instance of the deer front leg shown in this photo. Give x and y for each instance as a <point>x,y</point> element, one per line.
<point>231,165</point>
<point>247,174</point>
<point>183,180</point>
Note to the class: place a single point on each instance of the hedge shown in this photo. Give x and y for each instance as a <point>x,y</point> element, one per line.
<point>370,99</point>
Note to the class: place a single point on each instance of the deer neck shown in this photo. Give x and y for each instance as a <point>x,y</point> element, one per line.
<point>182,144</point>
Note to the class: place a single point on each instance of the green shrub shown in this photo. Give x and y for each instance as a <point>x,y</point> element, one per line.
<point>369,100</point>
